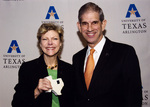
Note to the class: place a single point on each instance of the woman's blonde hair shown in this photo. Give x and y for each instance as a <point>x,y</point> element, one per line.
<point>45,27</point>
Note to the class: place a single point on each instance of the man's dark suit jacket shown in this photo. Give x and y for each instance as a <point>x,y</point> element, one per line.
<point>116,80</point>
<point>29,75</point>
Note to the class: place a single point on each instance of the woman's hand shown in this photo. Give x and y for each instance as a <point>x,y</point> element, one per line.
<point>43,85</point>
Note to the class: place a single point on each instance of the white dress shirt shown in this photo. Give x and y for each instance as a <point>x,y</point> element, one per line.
<point>98,49</point>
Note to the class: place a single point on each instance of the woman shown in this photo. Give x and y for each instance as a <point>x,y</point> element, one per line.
<point>32,86</point>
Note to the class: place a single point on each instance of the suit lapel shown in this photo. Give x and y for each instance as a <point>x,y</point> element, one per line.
<point>81,69</point>
<point>39,69</point>
<point>60,69</point>
<point>42,66</point>
<point>102,61</point>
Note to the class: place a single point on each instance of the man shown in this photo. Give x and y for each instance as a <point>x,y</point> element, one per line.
<point>115,79</point>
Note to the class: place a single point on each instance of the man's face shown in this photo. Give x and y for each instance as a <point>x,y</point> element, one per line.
<point>91,27</point>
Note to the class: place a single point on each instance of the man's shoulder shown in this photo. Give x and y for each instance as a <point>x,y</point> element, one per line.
<point>81,52</point>
<point>119,45</point>
<point>122,46</point>
<point>64,63</point>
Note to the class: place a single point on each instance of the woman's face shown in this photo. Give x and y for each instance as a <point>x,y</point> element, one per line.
<point>50,43</point>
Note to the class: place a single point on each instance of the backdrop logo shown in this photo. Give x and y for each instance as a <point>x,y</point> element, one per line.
<point>132,11</point>
<point>135,24</point>
<point>145,94</point>
<point>52,13</point>
<point>13,59</point>
<point>14,47</point>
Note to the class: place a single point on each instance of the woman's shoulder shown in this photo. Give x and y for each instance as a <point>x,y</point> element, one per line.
<point>34,62</point>
<point>30,62</point>
<point>31,66</point>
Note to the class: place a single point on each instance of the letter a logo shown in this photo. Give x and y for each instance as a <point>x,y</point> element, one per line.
<point>132,11</point>
<point>14,46</point>
<point>52,12</point>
